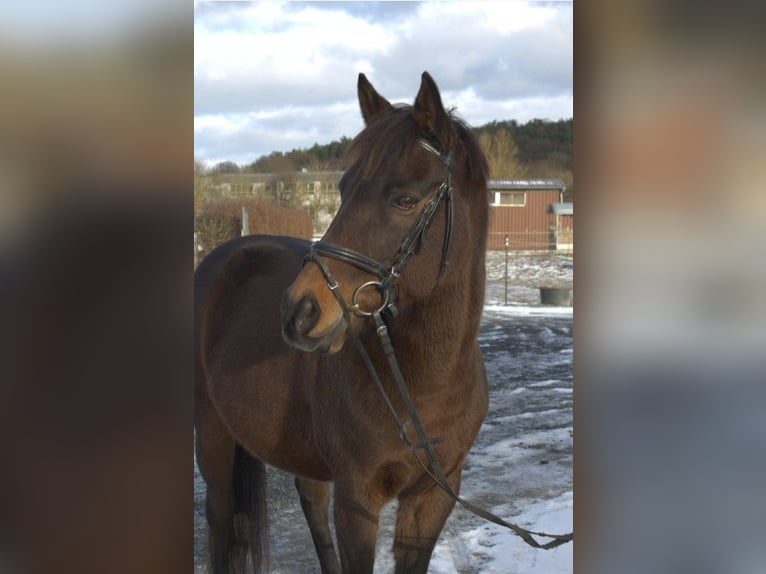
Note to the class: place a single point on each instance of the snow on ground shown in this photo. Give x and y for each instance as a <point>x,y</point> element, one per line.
<point>526,273</point>
<point>501,552</point>
<point>523,455</point>
<point>490,310</point>
<point>521,464</point>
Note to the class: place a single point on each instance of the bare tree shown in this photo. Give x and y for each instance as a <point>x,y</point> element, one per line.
<point>502,154</point>
<point>221,219</point>
<point>202,185</point>
<point>213,229</point>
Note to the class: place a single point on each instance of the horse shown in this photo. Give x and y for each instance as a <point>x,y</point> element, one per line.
<point>279,324</point>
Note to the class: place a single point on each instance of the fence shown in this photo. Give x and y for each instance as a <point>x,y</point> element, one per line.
<point>561,241</point>
<point>518,241</point>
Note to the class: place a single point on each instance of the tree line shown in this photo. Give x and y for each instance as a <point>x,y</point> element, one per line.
<point>538,149</point>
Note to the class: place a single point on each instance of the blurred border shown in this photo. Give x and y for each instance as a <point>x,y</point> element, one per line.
<point>96,140</point>
<point>670,415</point>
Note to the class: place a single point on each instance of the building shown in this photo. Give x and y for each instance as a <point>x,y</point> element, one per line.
<point>315,191</point>
<point>530,213</point>
<point>280,188</point>
<point>563,214</point>
<point>522,213</point>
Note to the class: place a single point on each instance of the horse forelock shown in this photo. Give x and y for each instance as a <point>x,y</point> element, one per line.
<point>382,144</point>
<point>392,138</point>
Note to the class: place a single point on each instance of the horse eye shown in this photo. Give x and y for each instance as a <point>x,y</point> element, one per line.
<point>405,202</point>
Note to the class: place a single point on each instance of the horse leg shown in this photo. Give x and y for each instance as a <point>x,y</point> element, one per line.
<point>315,501</point>
<point>215,459</point>
<point>356,525</point>
<point>235,502</point>
<point>419,521</point>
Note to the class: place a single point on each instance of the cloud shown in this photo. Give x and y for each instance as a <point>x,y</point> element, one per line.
<point>298,62</point>
<point>243,137</point>
<point>264,56</point>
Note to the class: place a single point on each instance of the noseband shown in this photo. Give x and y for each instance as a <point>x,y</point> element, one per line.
<point>414,239</point>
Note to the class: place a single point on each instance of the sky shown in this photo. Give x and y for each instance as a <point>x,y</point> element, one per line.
<point>276,76</point>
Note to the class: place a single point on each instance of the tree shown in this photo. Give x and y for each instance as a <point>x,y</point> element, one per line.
<point>225,167</point>
<point>221,219</point>
<point>502,154</point>
<point>212,228</point>
<point>318,164</point>
<point>275,162</point>
<point>202,185</point>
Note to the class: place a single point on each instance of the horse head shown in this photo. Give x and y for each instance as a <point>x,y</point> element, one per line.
<point>411,176</point>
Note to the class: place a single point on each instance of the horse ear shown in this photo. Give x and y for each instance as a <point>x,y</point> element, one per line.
<point>373,105</point>
<point>429,111</point>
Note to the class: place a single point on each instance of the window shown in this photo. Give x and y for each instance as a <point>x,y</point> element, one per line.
<point>510,198</point>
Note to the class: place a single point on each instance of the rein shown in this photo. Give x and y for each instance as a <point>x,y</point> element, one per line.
<point>387,286</point>
<point>426,444</point>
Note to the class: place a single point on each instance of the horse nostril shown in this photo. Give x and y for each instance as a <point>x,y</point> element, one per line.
<point>306,315</point>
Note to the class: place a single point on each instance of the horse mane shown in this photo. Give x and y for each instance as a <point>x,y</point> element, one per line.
<point>391,138</point>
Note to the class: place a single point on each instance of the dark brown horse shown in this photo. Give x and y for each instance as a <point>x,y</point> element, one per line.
<point>408,241</point>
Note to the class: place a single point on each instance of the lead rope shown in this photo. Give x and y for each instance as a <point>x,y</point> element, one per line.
<point>426,444</point>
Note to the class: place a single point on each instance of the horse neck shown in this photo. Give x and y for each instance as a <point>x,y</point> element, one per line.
<point>440,325</point>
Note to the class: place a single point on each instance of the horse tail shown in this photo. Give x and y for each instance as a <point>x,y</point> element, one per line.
<point>250,520</point>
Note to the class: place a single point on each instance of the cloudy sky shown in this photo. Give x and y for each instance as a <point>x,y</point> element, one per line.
<point>274,76</point>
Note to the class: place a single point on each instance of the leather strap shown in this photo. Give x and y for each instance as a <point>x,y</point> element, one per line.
<point>434,468</point>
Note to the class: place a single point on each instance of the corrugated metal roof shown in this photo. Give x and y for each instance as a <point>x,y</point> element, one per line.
<point>566,208</point>
<point>526,184</point>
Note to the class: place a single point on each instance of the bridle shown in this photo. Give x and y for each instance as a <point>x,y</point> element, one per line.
<point>387,278</point>
<point>414,239</point>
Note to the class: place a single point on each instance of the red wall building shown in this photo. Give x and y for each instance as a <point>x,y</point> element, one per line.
<point>522,211</point>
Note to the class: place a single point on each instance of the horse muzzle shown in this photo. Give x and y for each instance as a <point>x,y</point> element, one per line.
<point>306,327</point>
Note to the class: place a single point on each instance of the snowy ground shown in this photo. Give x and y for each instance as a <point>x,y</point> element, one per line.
<point>521,464</point>
<point>526,272</point>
